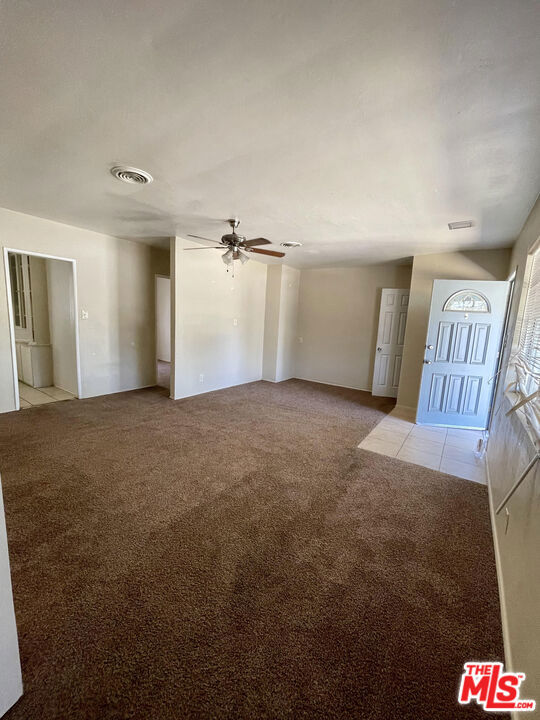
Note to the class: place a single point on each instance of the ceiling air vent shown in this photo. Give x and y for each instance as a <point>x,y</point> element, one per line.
<point>291,243</point>
<point>460,225</point>
<point>131,175</point>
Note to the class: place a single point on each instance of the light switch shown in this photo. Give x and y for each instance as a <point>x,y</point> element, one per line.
<point>235,321</point>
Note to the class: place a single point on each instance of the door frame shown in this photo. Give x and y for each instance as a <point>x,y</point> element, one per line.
<point>504,344</point>
<point>12,321</point>
<point>164,277</point>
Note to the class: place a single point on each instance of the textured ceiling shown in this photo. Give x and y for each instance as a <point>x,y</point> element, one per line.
<point>358,128</point>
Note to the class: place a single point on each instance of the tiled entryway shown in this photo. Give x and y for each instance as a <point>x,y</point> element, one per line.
<point>449,450</point>
<point>29,396</point>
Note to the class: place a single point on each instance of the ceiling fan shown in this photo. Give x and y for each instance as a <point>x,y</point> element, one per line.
<point>237,246</point>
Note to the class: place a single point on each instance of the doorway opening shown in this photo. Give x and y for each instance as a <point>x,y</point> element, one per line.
<point>43,319</point>
<point>163,331</point>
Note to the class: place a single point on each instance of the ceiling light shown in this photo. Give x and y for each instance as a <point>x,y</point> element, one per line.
<point>228,257</point>
<point>460,225</point>
<point>291,243</point>
<point>242,257</point>
<point>131,175</point>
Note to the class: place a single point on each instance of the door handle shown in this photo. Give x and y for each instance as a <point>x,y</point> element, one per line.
<point>429,347</point>
<point>427,362</point>
<point>379,349</point>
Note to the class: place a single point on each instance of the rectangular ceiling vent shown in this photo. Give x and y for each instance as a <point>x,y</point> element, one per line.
<point>460,225</point>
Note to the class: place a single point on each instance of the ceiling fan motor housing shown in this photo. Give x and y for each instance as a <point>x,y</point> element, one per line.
<point>232,238</point>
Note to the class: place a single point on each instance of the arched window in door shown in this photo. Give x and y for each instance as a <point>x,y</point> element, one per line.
<point>467,301</point>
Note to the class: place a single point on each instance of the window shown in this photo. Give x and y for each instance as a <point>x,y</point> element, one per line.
<point>524,365</point>
<point>21,296</point>
<point>466,301</point>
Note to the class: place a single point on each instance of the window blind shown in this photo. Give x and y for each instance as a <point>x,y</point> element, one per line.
<point>525,362</point>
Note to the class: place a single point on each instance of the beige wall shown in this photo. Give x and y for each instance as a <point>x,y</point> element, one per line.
<point>206,340</point>
<point>115,286</point>
<point>61,303</point>
<point>163,313</point>
<point>161,261</point>
<point>40,299</point>
<point>288,323</point>
<point>280,325</point>
<point>337,322</point>
<point>518,545</point>
<point>271,322</point>
<point>473,265</point>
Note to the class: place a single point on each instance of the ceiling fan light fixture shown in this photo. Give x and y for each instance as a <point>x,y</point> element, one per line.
<point>228,257</point>
<point>243,257</point>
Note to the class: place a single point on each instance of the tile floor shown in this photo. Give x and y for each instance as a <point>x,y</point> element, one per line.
<point>450,450</point>
<point>29,396</point>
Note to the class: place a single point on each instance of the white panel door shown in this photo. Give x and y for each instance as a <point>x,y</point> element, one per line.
<point>10,668</point>
<point>461,353</point>
<point>390,339</point>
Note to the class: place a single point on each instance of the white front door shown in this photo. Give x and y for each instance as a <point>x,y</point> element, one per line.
<point>390,339</point>
<point>10,668</point>
<point>461,353</point>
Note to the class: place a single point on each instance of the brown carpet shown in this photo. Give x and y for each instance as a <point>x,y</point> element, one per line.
<point>234,555</point>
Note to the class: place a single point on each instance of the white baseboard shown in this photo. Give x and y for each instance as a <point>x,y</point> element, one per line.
<point>508,663</point>
<point>346,387</point>
<point>325,382</point>
<point>406,412</point>
<point>113,392</point>
<point>407,408</point>
<point>216,389</point>
<point>64,389</point>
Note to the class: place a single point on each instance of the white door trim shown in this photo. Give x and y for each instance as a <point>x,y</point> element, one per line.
<point>163,277</point>
<point>12,321</point>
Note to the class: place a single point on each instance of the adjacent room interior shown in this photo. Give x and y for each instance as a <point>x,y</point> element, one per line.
<point>43,324</point>
<point>269,359</point>
<point>163,331</point>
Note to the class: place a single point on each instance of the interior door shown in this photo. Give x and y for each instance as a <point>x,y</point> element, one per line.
<point>461,352</point>
<point>390,339</point>
<point>10,668</point>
